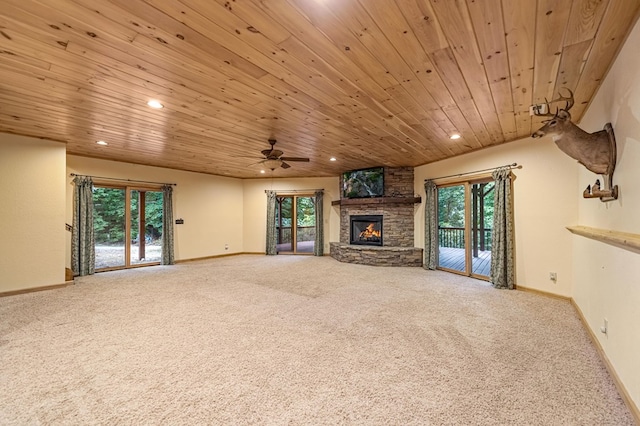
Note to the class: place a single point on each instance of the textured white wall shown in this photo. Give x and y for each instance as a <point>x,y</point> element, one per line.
<point>32,213</point>
<point>607,278</point>
<point>544,203</point>
<point>255,208</point>
<point>211,206</point>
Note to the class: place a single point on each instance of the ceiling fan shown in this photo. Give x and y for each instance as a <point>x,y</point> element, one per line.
<point>273,158</point>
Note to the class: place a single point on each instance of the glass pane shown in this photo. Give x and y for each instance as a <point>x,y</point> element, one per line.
<point>108,225</point>
<point>306,224</point>
<point>482,222</point>
<point>451,223</point>
<point>146,221</point>
<point>284,213</point>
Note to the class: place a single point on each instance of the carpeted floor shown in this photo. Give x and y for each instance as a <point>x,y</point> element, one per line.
<point>297,340</point>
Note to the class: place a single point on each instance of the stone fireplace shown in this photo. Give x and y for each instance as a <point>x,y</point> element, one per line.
<point>395,212</point>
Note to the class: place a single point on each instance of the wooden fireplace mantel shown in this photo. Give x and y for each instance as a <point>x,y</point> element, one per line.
<point>376,200</point>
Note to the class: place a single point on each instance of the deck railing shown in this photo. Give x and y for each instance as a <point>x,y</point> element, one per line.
<point>454,238</point>
<point>303,233</point>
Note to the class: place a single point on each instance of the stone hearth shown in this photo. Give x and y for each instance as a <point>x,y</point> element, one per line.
<point>397,210</point>
<point>377,256</point>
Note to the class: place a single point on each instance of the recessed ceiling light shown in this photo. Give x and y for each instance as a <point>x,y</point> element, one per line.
<point>332,159</point>
<point>262,171</point>
<point>102,143</point>
<point>155,104</point>
<point>454,136</point>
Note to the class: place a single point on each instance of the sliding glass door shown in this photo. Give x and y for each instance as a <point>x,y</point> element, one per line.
<point>295,224</point>
<point>465,218</point>
<point>451,228</point>
<point>109,226</point>
<point>128,226</point>
<point>146,227</point>
<point>481,227</point>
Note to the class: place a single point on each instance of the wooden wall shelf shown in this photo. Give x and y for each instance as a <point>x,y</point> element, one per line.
<point>377,200</point>
<point>621,239</point>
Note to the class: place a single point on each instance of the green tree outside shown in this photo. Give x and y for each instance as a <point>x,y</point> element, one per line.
<point>109,214</point>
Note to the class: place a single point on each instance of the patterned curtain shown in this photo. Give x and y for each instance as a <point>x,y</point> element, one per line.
<point>167,225</point>
<point>271,223</point>
<point>430,225</point>
<point>83,249</point>
<point>502,256</point>
<point>318,245</point>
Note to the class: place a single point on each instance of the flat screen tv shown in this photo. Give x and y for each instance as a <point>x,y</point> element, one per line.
<point>363,183</point>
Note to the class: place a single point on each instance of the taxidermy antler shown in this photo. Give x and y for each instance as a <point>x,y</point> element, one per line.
<point>596,151</point>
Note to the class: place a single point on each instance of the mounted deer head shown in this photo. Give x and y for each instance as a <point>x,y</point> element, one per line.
<point>596,151</point>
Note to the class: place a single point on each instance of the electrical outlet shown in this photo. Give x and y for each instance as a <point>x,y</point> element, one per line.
<point>553,276</point>
<point>605,327</point>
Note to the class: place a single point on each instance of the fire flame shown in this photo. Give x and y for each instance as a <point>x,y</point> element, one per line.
<point>369,232</point>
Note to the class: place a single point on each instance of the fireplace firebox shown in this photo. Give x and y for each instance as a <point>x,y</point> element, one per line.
<point>366,230</point>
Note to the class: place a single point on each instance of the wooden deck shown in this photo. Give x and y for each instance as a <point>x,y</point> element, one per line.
<point>453,258</point>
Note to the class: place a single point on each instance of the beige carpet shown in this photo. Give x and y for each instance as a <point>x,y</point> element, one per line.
<point>297,340</point>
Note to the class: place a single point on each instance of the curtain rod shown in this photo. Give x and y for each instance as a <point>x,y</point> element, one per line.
<point>294,190</point>
<point>125,180</point>
<point>511,166</point>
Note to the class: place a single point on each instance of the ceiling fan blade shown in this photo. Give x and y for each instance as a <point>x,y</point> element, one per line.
<point>266,152</point>
<point>285,165</point>
<point>302,159</point>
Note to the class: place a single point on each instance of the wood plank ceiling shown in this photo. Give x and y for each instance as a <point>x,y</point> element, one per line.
<point>369,82</point>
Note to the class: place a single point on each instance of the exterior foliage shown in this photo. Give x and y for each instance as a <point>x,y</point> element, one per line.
<point>109,211</point>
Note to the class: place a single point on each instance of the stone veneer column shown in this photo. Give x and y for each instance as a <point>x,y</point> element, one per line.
<point>398,219</point>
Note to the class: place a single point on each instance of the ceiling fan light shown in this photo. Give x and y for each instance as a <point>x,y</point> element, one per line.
<point>272,164</point>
